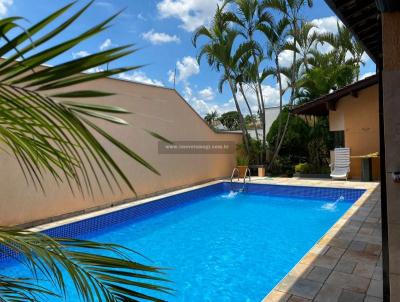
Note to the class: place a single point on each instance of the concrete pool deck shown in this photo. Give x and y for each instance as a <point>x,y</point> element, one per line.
<point>345,265</point>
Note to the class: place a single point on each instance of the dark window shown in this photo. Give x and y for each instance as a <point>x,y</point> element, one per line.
<point>338,139</point>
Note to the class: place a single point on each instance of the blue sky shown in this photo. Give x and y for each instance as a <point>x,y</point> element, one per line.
<point>162,29</point>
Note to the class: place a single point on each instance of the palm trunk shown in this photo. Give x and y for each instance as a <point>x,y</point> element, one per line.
<point>249,108</point>
<point>292,95</point>
<point>241,119</point>
<point>278,147</point>
<point>278,75</point>
<point>261,105</point>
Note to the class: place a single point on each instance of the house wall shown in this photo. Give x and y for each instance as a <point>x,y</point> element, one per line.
<point>158,109</point>
<point>358,117</point>
<point>271,114</point>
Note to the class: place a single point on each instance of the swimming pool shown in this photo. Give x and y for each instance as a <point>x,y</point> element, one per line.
<point>223,244</point>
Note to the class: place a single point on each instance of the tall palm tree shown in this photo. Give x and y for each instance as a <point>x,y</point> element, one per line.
<point>307,40</point>
<point>222,56</point>
<point>290,9</point>
<point>49,133</point>
<point>249,16</point>
<point>347,50</point>
<point>243,75</point>
<point>276,34</point>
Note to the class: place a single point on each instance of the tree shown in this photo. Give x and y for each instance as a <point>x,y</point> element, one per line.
<point>276,34</point>
<point>50,134</point>
<point>306,43</point>
<point>291,10</point>
<point>221,55</point>
<point>326,74</point>
<point>230,120</point>
<point>294,146</point>
<point>249,17</point>
<point>211,117</point>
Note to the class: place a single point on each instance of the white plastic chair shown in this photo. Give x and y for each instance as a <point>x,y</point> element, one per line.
<point>341,167</point>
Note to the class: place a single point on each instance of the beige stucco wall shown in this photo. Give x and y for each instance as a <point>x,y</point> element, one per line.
<point>158,109</point>
<point>358,117</point>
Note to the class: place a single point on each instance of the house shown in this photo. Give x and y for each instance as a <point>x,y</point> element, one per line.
<point>353,113</point>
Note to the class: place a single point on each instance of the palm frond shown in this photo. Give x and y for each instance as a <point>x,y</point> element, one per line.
<point>99,272</point>
<point>44,131</point>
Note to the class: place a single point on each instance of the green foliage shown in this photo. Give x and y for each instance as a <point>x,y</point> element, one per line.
<point>99,271</point>
<point>319,144</point>
<point>211,117</point>
<point>49,131</point>
<point>230,120</point>
<point>327,74</point>
<point>242,160</point>
<point>306,141</point>
<point>242,157</point>
<point>302,168</point>
<point>294,142</point>
<point>54,133</point>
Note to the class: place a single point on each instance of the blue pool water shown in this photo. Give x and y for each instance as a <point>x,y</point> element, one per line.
<point>222,245</point>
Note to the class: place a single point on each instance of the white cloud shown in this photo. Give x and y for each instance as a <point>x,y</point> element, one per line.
<point>200,105</point>
<point>159,38</point>
<point>327,24</point>
<point>139,76</point>
<point>192,13</point>
<point>106,44</point>
<point>207,94</point>
<point>285,58</point>
<point>186,68</point>
<point>4,6</point>
<point>95,69</point>
<point>141,17</point>
<point>204,106</point>
<point>366,75</point>
<point>270,95</point>
<point>104,4</point>
<point>171,76</point>
<point>80,54</point>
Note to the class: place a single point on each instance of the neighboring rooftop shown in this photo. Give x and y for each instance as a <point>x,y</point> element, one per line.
<point>323,104</point>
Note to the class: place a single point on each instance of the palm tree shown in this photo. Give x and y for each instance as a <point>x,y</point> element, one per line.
<point>211,117</point>
<point>49,132</point>
<point>221,55</point>
<point>358,53</point>
<point>290,9</point>
<point>244,75</point>
<point>276,34</point>
<point>249,16</point>
<point>306,43</point>
<point>347,49</point>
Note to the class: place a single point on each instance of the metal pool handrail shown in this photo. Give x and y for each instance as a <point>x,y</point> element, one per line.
<point>233,173</point>
<point>245,175</point>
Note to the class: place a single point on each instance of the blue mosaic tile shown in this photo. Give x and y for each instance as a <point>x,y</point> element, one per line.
<point>87,226</point>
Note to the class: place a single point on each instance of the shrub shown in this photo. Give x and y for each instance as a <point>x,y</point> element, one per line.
<point>302,168</point>
<point>242,160</point>
<point>294,145</point>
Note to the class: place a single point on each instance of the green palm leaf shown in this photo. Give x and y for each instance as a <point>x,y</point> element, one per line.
<point>53,135</point>
<point>49,134</point>
<point>100,272</point>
